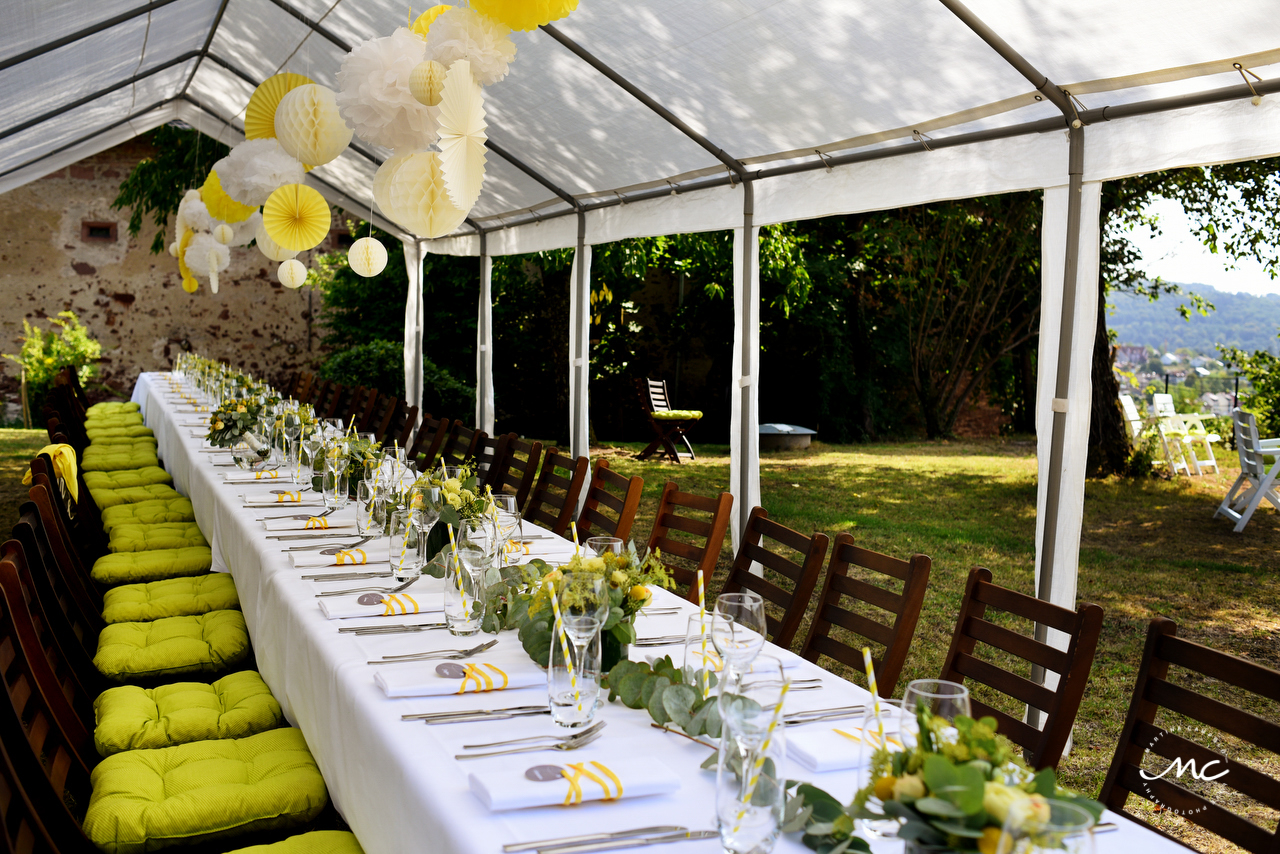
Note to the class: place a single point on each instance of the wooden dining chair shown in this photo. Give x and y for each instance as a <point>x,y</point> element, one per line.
<point>1042,747</point>
<point>489,453</point>
<point>690,527</point>
<point>517,469</point>
<point>555,497</point>
<point>404,421</point>
<point>428,441</point>
<point>882,617</point>
<point>305,386</point>
<point>801,575</point>
<point>461,444</point>
<point>609,492</point>
<point>1180,697</point>
<point>290,384</point>
<point>386,419</point>
<point>363,406</point>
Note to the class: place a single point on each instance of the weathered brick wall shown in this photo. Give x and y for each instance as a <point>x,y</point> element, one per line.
<point>131,300</point>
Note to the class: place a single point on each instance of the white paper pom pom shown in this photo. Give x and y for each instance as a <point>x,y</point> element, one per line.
<point>206,256</point>
<point>367,257</point>
<point>269,248</point>
<point>255,169</point>
<point>374,96</point>
<point>224,234</point>
<point>197,217</point>
<point>427,82</point>
<point>463,33</point>
<point>308,125</point>
<point>292,274</point>
<point>246,230</point>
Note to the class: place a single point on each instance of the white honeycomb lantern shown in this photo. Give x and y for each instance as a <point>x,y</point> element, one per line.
<point>224,234</point>
<point>418,197</point>
<point>367,257</point>
<point>309,126</point>
<point>426,83</point>
<point>272,250</point>
<point>292,274</point>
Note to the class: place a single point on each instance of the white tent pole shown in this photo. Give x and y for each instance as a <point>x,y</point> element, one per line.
<point>744,424</point>
<point>484,343</point>
<point>579,344</point>
<point>413,258</point>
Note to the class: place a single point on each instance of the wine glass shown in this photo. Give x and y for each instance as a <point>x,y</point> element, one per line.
<point>1047,827</point>
<point>738,630</point>
<point>750,790</point>
<point>505,520</point>
<point>600,546</point>
<point>943,699</point>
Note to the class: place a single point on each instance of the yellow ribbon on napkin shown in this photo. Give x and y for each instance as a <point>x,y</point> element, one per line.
<point>514,547</point>
<point>344,556</point>
<point>889,739</point>
<point>270,475</point>
<point>482,681</point>
<point>291,497</point>
<point>317,522</point>
<point>398,601</point>
<point>579,770</point>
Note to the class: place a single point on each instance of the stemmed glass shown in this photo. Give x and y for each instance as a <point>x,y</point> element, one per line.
<point>506,519</point>
<point>601,546</point>
<point>750,786</point>
<point>312,440</point>
<point>424,502</point>
<point>1052,827</point>
<point>943,699</point>
<point>738,632</point>
<point>584,605</point>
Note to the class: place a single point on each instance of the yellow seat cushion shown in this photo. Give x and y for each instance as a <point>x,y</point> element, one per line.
<point>315,842</point>
<point>154,565</point>
<point>113,419</point>
<point>129,441</point>
<point>118,458</point>
<point>208,643</point>
<point>151,512</point>
<point>133,718</point>
<point>172,597</point>
<point>678,415</point>
<point>145,538</point>
<point>131,431</point>
<point>96,480</point>
<point>111,407</point>
<point>107,498</point>
<point>144,800</point>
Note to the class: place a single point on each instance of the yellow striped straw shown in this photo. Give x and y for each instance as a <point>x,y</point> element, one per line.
<point>573,530</point>
<point>564,644</point>
<point>875,692</point>
<point>457,567</point>
<point>764,748</point>
<point>702,632</point>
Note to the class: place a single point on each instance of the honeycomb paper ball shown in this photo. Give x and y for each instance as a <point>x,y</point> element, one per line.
<point>524,14</point>
<point>382,181</point>
<point>173,249</point>
<point>269,248</point>
<point>419,200</point>
<point>296,217</point>
<point>367,257</point>
<point>224,234</point>
<point>292,274</point>
<point>309,127</point>
<point>427,82</point>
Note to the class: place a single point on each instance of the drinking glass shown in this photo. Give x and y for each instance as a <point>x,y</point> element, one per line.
<point>403,547</point>
<point>750,784</point>
<point>368,505</point>
<point>464,593</point>
<point>424,501</point>
<point>604,545</point>
<point>738,629</point>
<point>311,467</point>
<point>583,594</point>
<point>334,487</point>
<point>941,698</point>
<point>900,732</point>
<point>573,671</point>
<point>337,452</point>
<point>1053,826</point>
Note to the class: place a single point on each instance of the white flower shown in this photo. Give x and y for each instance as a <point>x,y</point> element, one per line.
<point>374,96</point>
<point>463,33</point>
<point>255,169</point>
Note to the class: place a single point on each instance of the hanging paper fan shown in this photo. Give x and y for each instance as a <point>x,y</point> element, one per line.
<point>260,115</point>
<point>419,199</point>
<point>423,22</point>
<point>296,217</point>
<point>220,205</point>
<point>308,126</point>
<point>524,14</point>
<point>462,135</point>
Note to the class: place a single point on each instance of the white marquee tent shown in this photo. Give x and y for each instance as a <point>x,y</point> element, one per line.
<point>634,119</point>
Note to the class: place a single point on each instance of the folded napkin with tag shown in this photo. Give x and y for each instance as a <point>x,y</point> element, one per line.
<point>394,605</point>
<point>310,523</point>
<point>421,679</point>
<point>194,424</point>
<point>838,749</point>
<point>344,557</point>
<point>511,788</point>
<point>256,476</point>
<point>282,497</point>
<point>189,408</point>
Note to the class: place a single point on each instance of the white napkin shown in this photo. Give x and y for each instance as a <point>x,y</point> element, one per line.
<point>420,679</point>
<point>366,554</point>
<point>507,788</point>
<point>193,424</point>
<point>829,750</point>
<point>314,523</point>
<point>273,476</point>
<point>271,499</point>
<point>401,604</point>
<point>189,409</point>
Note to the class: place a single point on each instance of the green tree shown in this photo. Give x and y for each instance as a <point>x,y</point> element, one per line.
<point>182,160</point>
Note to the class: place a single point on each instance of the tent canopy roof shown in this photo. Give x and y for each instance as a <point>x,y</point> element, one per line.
<point>626,102</point>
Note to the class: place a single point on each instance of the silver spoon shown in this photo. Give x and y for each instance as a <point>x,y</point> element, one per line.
<point>595,727</point>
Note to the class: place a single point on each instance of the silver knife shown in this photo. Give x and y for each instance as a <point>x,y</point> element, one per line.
<point>618,844</point>
<point>421,716</point>
<point>592,837</point>
<point>500,716</point>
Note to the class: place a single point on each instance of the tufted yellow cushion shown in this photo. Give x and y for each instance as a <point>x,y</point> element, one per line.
<point>315,842</point>
<point>150,512</point>
<point>678,415</point>
<point>127,441</point>
<point>173,597</point>
<point>144,800</point>
<point>208,643</point>
<point>155,565</point>
<point>96,480</point>
<point>111,407</point>
<point>146,538</point>
<point>107,498</point>
<point>235,706</point>
<point>131,431</point>
<point>117,458</point>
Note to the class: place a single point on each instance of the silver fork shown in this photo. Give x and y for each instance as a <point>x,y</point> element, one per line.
<point>436,655</point>
<point>320,546</point>
<point>387,590</point>
<point>595,727</point>
<point>301,517</point>
<point>582,739</point>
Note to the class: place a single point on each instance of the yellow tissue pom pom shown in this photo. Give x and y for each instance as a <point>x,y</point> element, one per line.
<point>189,283</point>
<point>296,217</point>
<point>524,14</point>
<point>420,26</point>
<point>220,205</point>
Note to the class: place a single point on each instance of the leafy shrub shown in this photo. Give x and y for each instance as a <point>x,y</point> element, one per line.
<point>44,353</point>
<point>1263,400</point>
<point>380,365</point>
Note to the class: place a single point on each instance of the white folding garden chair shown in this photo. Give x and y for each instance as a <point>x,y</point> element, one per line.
<point>1191,432</point>
<point>1138,427</point>
<point>1256,481</point>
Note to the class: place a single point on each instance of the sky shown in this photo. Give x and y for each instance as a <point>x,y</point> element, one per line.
<point>1177,256</point>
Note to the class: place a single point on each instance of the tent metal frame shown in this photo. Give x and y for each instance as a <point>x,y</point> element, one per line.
<point>72,38</point>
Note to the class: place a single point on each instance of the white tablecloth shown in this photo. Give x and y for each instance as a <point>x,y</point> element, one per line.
<point>396,783</point>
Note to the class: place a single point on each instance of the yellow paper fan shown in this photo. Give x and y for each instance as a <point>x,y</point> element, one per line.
<point>189,283</point>
<point>423,23</point>
<point>220,205</point>
<point>260,115</point>
<point>524,14</point>
<point>296,217</point>
<point>462,135</point>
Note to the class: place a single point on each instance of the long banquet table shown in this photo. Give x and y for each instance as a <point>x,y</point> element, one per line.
<point>396,783</point>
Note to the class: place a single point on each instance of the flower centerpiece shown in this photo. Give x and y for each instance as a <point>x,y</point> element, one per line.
<point>957,788</point>
<point>237,425</point>
<point>460,498</point>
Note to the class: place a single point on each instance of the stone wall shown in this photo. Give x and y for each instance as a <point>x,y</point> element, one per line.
<point>132,301</point>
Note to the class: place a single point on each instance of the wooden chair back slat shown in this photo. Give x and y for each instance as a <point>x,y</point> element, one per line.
<point>803,575</point>
<point>516,473</point>
<point>303,393</point>
<point>1043,747</point>
<point>490,452</point>
<point>555,497</point>
<point>673,509</point>
<point>613,492</point>
<point>430,438</point>
<point>406,419</point>
<point>69,577</point>
<point>858,624</point>
<point>386,419</point>
<point>1020,645</point>
<point>461,444</point>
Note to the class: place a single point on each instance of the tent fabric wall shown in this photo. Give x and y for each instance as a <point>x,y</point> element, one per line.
<point>413,258</point>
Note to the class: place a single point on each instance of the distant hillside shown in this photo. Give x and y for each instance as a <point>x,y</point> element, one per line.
<point>1241,320</point>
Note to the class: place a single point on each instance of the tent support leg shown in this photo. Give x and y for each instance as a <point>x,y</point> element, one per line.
<point>579,352</point>
<point>484,343</point>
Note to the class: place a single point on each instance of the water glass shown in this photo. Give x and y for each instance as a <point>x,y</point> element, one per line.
<point>573,671</point>
<point>699,652</point>
<point>403,548</point>
<point>334,487</point>
<point>738,629</point>
<point>1053,826</point>
<point>750,783</point>
<point>464,596</point>
<point>604,545</point>
<point>900,732</point>
<point>941,698</point>
<point>368,508</point>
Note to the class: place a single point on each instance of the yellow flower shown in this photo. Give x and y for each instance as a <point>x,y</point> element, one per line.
<point>593,564</point>
<point>553,576</point>
<point>618,578</point>
<point>640,593</point>
<point>998,799</point>
<point>884,787</point>
<point>908,785</point>
<point>994,841</point>
<point>240,408</point>
<point>454,501</point>
<point>48,360</point>
<point>451,485</point>
<point>217,426</point>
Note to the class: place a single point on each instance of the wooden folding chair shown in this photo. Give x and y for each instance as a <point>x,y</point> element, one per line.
<point>461,445</point>
<point>803,575</point>
<point>428,441</point>
<point>868,601</point>
<point>516,470</point>
<point>690,527</point>
<point>555,498</point>
<point>1255,479</point>
<point>1042,747</point>
<point>382,419</point>
<point>362,407</point>
<point>668,424</point>
<point>1154,691</point>
<point>617,494</point>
